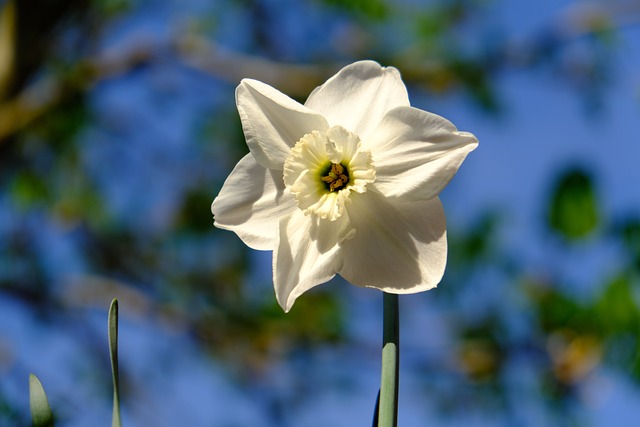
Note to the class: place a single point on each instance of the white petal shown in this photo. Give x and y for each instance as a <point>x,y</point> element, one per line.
<point>359,96</point>
<point>272,122</point>
<point>398,247</point>
<point>251,203</point>
<point>416,153</point>
<point>307,255</point>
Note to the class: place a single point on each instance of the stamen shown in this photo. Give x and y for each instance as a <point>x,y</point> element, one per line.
<point>336,177</point>
<point>324,168</point>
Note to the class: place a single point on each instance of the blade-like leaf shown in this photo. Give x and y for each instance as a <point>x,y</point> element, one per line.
<point>113,353</point>
<point>41,415</point>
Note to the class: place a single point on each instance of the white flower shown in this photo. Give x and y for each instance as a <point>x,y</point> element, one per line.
<point>347,183</point>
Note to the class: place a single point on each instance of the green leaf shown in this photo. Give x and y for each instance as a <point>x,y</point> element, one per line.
<point>616,308</point>
<point>474,74</point>
<point>113,353</point>
<point>573,212</point>
<point>29,189</point>
<point>372,9</point>
<point>628,230</point>
<point>41,415</point>
<point>558,311</point>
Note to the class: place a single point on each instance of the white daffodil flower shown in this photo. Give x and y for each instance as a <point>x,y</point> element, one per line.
<point>345,184</point>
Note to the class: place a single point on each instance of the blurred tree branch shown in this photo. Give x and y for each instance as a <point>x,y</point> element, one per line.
<point>7,45</point>
<point>230,66</point>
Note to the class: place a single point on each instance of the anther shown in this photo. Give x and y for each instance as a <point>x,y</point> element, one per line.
<point>337,177</point>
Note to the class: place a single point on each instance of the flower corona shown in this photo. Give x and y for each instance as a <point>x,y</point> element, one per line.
<point>323,168</point>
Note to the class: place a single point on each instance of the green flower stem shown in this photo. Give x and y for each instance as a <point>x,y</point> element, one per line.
<point>388,406</point>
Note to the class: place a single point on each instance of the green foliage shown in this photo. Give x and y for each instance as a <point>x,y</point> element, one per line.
<point>628,231</point>
<point>372,9</point>
<point>28,189</point>
<point>41,414</point>
<point>318,318</point>
<point>557,310</point>
<point>481,352</point>
<point>60,128</point>
<point>9,415</point>
<point>474,77</point>
<point>195,215</point>
<point>614,312</point>
<point>478,244</point>
<point>111,8</point>
<point>616,309</point>
<point>582,334</point>
<point>573,211</point>
<point>438,19</point>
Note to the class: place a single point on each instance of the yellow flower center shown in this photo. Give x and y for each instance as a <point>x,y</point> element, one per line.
<point>337,176</point>
<point>324,168</point>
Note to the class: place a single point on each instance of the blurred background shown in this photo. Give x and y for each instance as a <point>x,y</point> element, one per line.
<point>118,127</point>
